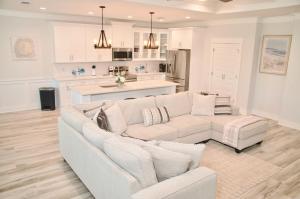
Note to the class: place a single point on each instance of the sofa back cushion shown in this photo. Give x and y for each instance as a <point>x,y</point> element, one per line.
<point>74,118</point>
<point>95,135</point>
<point>177,104</point>
<point>133,159</point>
<point>167,163</point>
<point>133,109</point>
<point>116,121</point>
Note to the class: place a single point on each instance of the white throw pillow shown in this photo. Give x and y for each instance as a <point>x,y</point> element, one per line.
<point>203,104</point>
<point>133,159</point>
<point>116,121</point>
<point>195,151</point>
<point>167,163</point>
<point>155,115</point>
<point>95,135</point>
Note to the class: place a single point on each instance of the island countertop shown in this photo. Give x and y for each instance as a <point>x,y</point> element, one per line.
<point>128,86</point>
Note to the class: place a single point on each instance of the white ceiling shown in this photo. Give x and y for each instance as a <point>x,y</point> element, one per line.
<point>166,11</point>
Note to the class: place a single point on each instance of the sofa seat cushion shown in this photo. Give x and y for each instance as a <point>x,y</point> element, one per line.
<point>189,124</point>
<point>218,123</point>
<point>154,132</point>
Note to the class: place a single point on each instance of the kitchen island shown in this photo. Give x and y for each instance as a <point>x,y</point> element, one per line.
<point>98,92</point>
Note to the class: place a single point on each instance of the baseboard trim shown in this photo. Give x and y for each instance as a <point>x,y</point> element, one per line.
<point>277,118</point>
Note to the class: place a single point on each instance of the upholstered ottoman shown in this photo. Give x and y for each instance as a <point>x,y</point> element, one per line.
<point>248,135</point>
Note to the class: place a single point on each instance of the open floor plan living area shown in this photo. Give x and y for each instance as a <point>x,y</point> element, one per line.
<point>140,99</point>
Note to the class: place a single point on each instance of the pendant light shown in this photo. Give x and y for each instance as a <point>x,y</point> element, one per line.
<point>102,42</point>
<point>151,42</point>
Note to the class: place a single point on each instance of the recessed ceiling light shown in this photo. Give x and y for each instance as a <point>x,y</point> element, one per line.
<point>202,0</point>
<point>161,19</point>
<point>43,8</point>
<point>187,17</point>
<point>129,17</point>
<point>91,13</point>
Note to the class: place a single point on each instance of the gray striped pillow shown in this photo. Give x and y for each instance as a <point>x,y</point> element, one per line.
<point>155,115</point>
<point>222,106</point>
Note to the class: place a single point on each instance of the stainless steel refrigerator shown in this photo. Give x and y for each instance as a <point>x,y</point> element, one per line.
<point>178,68</point>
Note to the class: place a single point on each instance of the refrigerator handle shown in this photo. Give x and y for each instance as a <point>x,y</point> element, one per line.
<point>174,71</point>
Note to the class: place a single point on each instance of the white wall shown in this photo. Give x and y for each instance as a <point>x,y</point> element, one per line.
<point>245,31</point>
<point>276,96</point>
<point>20,80</point>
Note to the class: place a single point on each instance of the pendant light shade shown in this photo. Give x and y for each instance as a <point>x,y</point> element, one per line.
<point>102,42</point>
<point>151,41</point>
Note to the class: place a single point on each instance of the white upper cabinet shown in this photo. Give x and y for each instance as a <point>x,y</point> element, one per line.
<point>69,43</point>
<point>75,43</point>
<point>92,37</point>
<point>141,36</point>
<point>122,35</point>
<point>181,38</point>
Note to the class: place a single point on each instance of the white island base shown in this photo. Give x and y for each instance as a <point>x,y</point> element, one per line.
<point>91,93</point>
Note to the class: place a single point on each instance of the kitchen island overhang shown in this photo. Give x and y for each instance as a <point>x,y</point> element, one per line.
<point>110,91</point>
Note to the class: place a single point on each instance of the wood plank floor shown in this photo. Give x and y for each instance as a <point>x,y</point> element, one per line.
<point>32,167</point>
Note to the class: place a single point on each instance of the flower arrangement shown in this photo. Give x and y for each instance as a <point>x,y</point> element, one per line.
<point>120,80</point>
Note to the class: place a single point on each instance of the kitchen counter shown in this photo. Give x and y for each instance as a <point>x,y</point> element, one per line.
<point>89,93</point>
<point>112,88</point>
<point>83,77</point>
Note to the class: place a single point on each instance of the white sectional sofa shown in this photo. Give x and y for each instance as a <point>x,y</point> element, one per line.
<point>105,179</point>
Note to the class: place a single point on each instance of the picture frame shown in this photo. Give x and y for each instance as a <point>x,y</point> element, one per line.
<point>275,52</point>
<point>23,48</point>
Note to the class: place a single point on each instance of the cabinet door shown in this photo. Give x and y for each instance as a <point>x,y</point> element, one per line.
<point>69,42</point>
<point>181,39</point>
<point>163,45</point>
<point>92,37</point>
<point>122,35</point>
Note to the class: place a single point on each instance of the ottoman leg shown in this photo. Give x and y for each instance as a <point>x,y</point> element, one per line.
<point>259,143</point>
<point>238,151</point>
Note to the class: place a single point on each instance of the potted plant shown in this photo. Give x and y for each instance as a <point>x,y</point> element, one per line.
<point>120,80</point>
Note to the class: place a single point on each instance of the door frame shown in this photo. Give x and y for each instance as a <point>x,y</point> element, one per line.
<point>239,42</point>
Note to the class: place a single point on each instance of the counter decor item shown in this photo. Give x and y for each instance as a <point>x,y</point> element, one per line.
<point>120,80</point>
<point>93,70</point>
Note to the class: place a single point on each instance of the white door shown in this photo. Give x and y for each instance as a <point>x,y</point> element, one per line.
<point>225,68</point>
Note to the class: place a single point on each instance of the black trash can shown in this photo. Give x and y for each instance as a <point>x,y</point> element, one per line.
<point>47,96</point>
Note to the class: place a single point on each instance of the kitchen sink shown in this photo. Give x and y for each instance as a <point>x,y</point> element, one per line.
<point>109,86</point>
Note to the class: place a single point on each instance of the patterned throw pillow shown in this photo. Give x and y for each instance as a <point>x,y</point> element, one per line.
<point>155,115</point>
<point>223,106</point>
<point>102,120</point>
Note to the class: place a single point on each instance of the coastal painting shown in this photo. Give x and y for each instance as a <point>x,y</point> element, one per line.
<point>275,54</point>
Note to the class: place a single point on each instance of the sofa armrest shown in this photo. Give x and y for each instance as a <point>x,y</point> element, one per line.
<point>195,184</point>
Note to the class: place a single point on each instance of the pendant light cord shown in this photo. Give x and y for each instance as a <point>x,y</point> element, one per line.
<point>102,17</point>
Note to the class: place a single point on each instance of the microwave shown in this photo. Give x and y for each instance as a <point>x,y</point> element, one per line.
<point>121,54</point>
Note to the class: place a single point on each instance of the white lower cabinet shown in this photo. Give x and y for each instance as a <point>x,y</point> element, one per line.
<point>64,88</point>
<point>151,76</point>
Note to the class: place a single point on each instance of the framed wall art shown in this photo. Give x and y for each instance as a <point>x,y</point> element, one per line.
<point>275,54</point>
<point>23,48</point>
